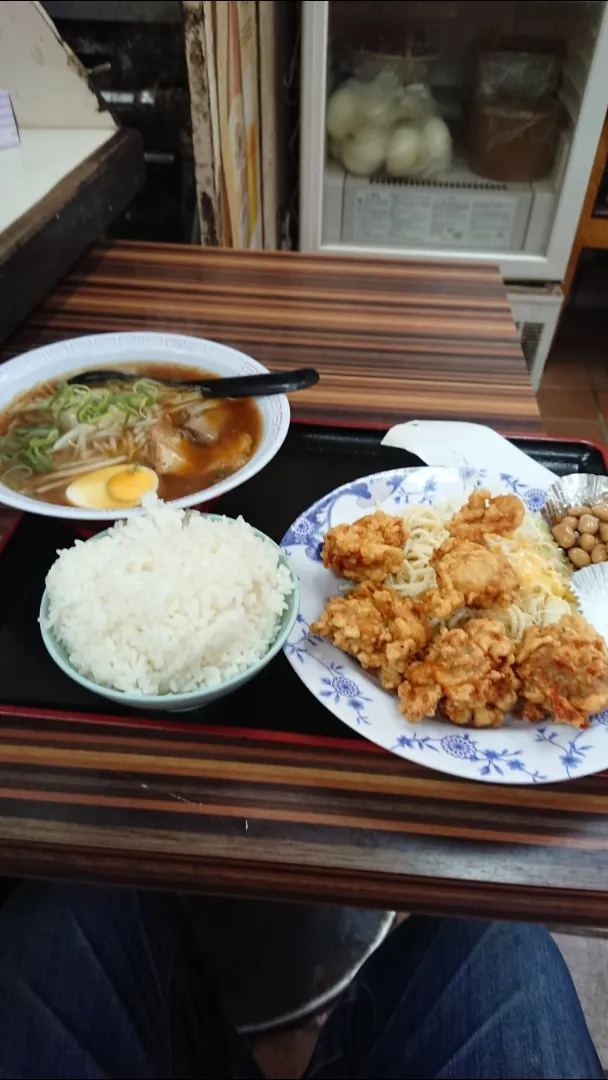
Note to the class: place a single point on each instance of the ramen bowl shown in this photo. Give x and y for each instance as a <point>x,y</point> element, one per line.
<point>66,358</point>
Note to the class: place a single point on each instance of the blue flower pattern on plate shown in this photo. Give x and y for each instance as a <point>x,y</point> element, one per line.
<point>517,487</point>
<point>428,491</point>
<point>335,685</point>
<point>309,529</point>
<point>472,476</point>
<point>377,491</point>
<point>572,753</point>
<point>466,748</point>
<point>460,746</point>
<point>535,499</point>
<point>520,752</point>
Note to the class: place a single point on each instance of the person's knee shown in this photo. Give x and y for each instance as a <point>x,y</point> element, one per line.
<point>513,956</point>
<point>530,942</point>
<point>526,957</point>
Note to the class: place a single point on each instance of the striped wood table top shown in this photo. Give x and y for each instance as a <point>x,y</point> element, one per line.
<point>326,819</point>
<point>392,340</point>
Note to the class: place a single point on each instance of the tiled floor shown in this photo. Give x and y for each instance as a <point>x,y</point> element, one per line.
<point>573,396</point>
<point>587,958</point>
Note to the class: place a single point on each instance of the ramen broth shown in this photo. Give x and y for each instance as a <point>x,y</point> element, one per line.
<point>54,434</point>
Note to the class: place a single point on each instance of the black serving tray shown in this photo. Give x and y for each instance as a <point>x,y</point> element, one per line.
<point>312,462</point>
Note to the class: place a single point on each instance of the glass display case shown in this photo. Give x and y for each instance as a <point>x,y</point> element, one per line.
<point>444,128</point>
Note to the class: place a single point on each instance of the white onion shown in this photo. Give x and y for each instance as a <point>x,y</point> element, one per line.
<point>365,152</point>
<point>437,142</point>
<point>404,153</point>
<point>344,116</point>
<point>436,146</point>
<point>415,102</point>
<point>378,104</point>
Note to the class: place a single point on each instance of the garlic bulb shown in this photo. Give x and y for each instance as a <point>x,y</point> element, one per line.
<point>437,146</point>
<point>364,153</point>
<point>344,116</point>
<point>404,152</point>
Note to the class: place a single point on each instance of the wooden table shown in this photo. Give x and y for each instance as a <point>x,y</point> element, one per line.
<point>253,812</point>
<point>226,809</point>
<point>392,340</point>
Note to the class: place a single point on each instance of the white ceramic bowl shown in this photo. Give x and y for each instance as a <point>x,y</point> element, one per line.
<point>193,699</point>
<point>103,350</point>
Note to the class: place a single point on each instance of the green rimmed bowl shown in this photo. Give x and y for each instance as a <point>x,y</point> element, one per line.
<point>194,699</point>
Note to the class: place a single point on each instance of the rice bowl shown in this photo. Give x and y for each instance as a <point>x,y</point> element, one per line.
<point>171,609</point>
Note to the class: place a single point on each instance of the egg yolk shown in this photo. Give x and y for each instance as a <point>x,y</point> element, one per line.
<point>130,485</point>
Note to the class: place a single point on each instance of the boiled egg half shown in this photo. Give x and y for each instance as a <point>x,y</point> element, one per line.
<point>115,487</point>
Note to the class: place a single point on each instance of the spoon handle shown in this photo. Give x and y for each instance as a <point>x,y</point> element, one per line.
<point>277,382</point>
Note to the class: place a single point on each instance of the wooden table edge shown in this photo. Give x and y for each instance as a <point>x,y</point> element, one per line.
<point>406,893</point>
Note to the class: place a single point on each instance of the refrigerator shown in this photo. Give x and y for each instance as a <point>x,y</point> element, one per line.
<point>441,129</point>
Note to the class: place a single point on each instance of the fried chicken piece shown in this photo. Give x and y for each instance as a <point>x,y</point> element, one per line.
<point>467,673</point>
<point>564,672</point>
<point>368,550</point>
<point>376,625</point>
<point>469,575</point>
<point>483,514</point>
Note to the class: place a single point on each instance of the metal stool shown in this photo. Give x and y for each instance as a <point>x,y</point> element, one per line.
<point>280,963</point>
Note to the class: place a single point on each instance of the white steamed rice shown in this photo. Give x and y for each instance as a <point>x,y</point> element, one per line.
<point>168,602</point>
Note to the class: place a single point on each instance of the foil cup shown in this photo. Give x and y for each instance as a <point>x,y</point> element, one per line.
<point>590,586</point>
<point>578,489</point>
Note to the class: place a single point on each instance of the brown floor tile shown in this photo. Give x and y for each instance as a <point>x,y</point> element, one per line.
<point>568,403</point>
<point>591,430</point>
<point>598,373</point>
<point>602,398</point>
<point>563,372</point>
<point>603,402</point>
<point>582,333</point>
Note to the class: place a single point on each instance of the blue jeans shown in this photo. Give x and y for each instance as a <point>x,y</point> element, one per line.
<point>107,983</point>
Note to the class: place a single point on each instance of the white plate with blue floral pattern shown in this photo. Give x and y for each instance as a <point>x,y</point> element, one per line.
<point>517,753</point>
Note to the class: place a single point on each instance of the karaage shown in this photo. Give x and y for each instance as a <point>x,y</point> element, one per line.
<point>564,672</point>
<point>467,673</point>
<point>368,550</point>
<point>378,627</point>
<point>483,514</point>
<point>469,575</point>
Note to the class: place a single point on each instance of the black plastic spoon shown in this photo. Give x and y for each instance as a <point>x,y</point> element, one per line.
<point>277,382</point>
